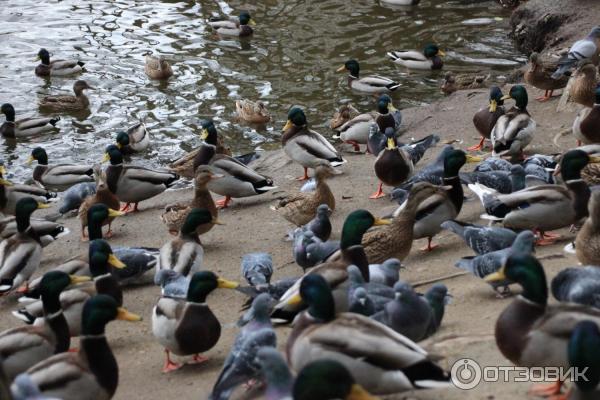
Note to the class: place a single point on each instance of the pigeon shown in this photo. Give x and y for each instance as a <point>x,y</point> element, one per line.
<point>138,261</point>
<point>74,196</point>
<point>386,273</point>
<point>582,352</point>
<point>486,264</point>
<point>309,250</point>
<point>502,181</point>
<point>172,283</point>
<point>481,239</point>
<point>493,164</point>
<point>275,290</point>
<point>408,314</point>
<point>578,285</point>
<point>584,49</point>
<point>318,251</point>
<point>359,302</point>
<point>309,186</point>
<point>257,316</point>
<point>416,150</point>
<point>432,172</point>
<point>243,365</point>
<point>257,268</point>
<point>320,226</point>
<point>437,296</point>
<point>276,374</point>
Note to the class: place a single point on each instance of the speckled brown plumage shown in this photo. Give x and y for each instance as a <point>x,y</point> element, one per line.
<point>103,195</point>
<point>583,88</point>
<point>300,208</point>
<point>587,243</point>
<point>453,83</point>
<point>539,71</point>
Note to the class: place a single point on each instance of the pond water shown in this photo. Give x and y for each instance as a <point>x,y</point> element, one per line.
<point>291,59</point>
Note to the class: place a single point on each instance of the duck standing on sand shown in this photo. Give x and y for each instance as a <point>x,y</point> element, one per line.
<point>367,84</point>
<point>485,119</point>
<point>56,67</point>
<point>305,146</point>
<point>539,75</point>
<point>67,103</point>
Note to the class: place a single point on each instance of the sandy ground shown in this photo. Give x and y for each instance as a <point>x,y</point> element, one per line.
<point>467,330</point>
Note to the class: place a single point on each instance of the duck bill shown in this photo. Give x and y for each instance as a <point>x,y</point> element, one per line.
<point>204,134</point>
<point>294,300</point>
<point>473,159</point>
<point>75,279</point>
<point>119,146</point>
<point>441,53</point>
<point>2,170</point>
<point>105,158</point>
<point>357,392</point>
<point>252,22</point>
<point>216,221</point>
<point>594,160</point>
<point>287,125</point>
<point>225,284</point>
<point>381,221</point>
<point>4,182</point>
<point>506,97</point>
<point>391,108</point>
<point>30,160</point>
<point>114,213</point>
<point>495,277</point>
<point>115,262</point>
<point>125,315</point>
<point>341,69</point>
<point>42,205</point>
<point>493,106</point>
<point>391,144</point>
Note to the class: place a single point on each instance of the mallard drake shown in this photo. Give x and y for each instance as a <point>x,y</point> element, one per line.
<point>24,127</point>
<point>582,88</point>
<point>582,352</point>
<point>306,146</point>
<point>20,254</point>
<point>156,67</point>
<point>103,195</point>
<point>545,207</point>
<point>485,119</point>
<point>134,140</point>
<point>254,112</point>
<point>591,173</point>
<point>56,67</point>
<point>133,184</point>
<point>101,261</point>
<point>515,129</point>
<point>586,126</point>
<point>359,344</point>
<point>184,254</point>
<point>395,240</point>
<point>539,75</point>
<point>92,373</point>
<point>25,346</point>
<point>188,326</point>
<point>58,176</point>
<point>587,242</point>
<point>68,103</point>
<point>429,59</point>
<point>530,332</point>
<point>453,82</point>
<point>238,179</point>
<point>344,114</point>
<point>356,130</point>
<point>47,231</point>
<point>233,26</point>
<point>351,253</point>
<point>10,194</point>
<point>367,84</point>
<point>325,379</point>
<point>175,214</point>
<point>210,135</point>
<point>394,164</point>
<point>301,207</point>
<point>441,206</point>
<point>587,49</point>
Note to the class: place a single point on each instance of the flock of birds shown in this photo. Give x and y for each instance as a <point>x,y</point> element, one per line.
<point>355,324</point>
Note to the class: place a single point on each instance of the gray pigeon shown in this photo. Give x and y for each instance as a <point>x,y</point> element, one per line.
<point>276,374</point>
<point>378,293</point>
<point>502,181</point>
<point>432,172</point>
<point>482,239</point>
<point>359,302</point>
<point>172,283</point>
<point>74,196</point>
<point>257,268</point>
<point>437,296</point>
<point>308,250</point>
<point>578,285</point>
<point>320,225</point>
<point>582,50</point>
<point>486,264</point>
<point>138,261</point>
<point>23,388</point>
<point>275,290</point>
<point>408,314</point>
<point>386,273</point>
<point>243,365</point>
<point>257,316</point>
<point>493,164</point>
<point>318,251</point>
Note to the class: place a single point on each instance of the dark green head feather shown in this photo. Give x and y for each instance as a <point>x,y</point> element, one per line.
<point>40,155</point>
<point>323,380</point>
<point>196,217</point>
<point>97,312</point>
<point>297,116</point>
<point>584,352</point>
<point>527,271</point>
<point>355,226</point>
<point>315,291</point>
<point>201,284</point>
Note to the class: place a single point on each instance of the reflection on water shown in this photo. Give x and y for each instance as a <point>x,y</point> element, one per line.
<point>291,59</point>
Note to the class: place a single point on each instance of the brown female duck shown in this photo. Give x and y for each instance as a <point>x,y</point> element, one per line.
<point>583,89</point>
<point>103,195</point>
<point>587,243</point>
<point>539,75</point>
<point>59,103</point>
<point>586,126</point>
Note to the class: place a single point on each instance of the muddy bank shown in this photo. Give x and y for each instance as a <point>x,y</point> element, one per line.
<point>551,26</point>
